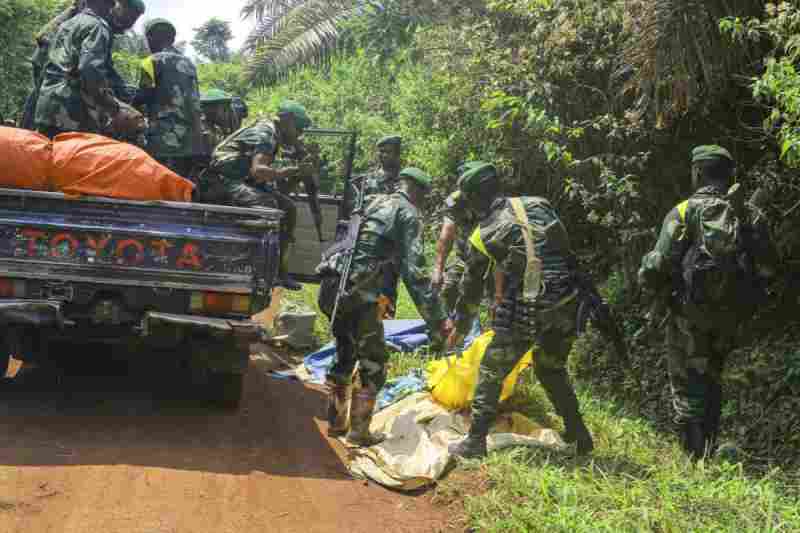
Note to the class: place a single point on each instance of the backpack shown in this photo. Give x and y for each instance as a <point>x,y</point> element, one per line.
<point>716,267</point>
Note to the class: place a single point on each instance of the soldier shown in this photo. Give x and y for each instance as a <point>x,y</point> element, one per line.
<point>391,231</point>
<point>76,91</point>
<point>123,18</point>
<point>242,172</point>
<point>708,265</point>
<point>169,90</point>
<point>529,244</point>
<point>218,116</point>
<point>457,224</point>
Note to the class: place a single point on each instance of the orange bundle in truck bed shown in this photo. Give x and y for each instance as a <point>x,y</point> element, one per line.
<point>93,165</point>
<point>25,159</point>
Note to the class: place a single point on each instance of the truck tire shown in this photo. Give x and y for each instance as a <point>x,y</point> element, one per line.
<point>225,389</point>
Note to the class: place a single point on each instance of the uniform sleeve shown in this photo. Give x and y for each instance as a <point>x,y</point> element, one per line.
<point>412,268</point>
<point>93,67</point>
<point>659,265</point>
<point>47,32</point>
<point>470,289</point>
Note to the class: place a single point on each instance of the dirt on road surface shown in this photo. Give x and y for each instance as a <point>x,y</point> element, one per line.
<point>129,451</point>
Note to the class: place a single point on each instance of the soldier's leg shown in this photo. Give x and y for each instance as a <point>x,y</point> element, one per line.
<point>687,368</point>
<point>722,344</point>
<point>340,376</point>
<point>288,226</point>
<point>452,278</point>
<point>372,358</point>
<point>555,335</point>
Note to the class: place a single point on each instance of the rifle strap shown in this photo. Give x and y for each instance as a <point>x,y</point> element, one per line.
<point>533,268</point>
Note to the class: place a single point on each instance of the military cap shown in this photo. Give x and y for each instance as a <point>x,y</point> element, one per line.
<point>215,96</point>
<point>389,139</point>
<point>295,108</point>
<point>419,176</point>
<point>138,5</point>
<point>474,175</point>
<point>152,24</point>
<point>710,151</point>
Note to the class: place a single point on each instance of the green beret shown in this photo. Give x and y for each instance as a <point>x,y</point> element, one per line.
<point>138,5</point>
<point>295,108</point>
<point>154,23</point>
<point>474,175</point>
<point>710,151</point>
<point>419,176</point>
<point>389,139</point>
<point>215,96</point>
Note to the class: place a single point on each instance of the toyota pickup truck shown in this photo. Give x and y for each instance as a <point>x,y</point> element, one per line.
<point>174,278</point>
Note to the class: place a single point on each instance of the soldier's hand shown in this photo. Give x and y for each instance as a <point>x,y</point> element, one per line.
<point>437,279</point>
<point>386,309</point>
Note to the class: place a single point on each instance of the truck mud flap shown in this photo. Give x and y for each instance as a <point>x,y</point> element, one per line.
<point>217,344</point>
<point>37,313</point>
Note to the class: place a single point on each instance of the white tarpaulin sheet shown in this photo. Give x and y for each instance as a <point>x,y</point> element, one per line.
<point>418,432</point>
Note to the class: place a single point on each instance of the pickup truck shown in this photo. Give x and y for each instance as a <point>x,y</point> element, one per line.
<point>180,278</point>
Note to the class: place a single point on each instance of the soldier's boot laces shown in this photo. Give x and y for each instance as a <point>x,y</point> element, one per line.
<point>561,394</point>
<point>361,410</point>
<point>339,409</point>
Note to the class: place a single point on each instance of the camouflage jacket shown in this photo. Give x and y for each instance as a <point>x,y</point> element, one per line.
<point>46,34</point>
<point>392,231</point>
<point>456,211</point>
<point>233,157</point>
<point>499,240</point>
<point>76,93</point>
<point>374,182</point>
<point>662,268</point>
<point>170,93</point>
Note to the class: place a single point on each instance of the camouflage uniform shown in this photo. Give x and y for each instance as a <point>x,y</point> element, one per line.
<point>76,92</point>
<point>548,321</point>
<point>391,231</point>
<point>170,92</point>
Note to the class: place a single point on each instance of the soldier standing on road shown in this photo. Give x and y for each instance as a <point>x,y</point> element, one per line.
<point>242,172</point>
<point>526,240</point>
<point>391,231</point>
<point>708,266</point>
<point>76,93</point>
<point>169,91</point>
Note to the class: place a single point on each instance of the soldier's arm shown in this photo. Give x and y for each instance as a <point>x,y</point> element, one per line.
<point>470,289</point>
<point>659,264</point>
<point>412,268</point>
<point>93,68</point>
<point>49,29</point>
<point>445,243</point>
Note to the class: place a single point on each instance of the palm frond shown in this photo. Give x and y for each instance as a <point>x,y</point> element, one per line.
<point>678,55</point>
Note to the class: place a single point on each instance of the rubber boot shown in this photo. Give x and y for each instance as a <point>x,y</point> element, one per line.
<point>713,412</point>
<point>694,441</point>
<point>473,446</point>
<point>284,279</point>
<point>339,397</point>
<point>361,411</point>
<point>561,394</point>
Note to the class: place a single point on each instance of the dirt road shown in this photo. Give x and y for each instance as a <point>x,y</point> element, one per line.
<point>130,452</point>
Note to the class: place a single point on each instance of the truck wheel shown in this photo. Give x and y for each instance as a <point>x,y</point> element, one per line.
<point>225,389</point>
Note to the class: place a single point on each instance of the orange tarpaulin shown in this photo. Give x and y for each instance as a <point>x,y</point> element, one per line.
<point>25,159</point>
<point>93,165</point>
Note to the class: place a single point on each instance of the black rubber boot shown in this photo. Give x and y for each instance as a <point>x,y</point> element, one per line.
<point>473,446</point>
<point>694,440</point>
<point>284,279</point>
<point>561,394</point>
<point>361,411</point>
<point>339,398</point>
<point>713,412</point>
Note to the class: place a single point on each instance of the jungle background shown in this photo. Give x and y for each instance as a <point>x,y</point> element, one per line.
<point>594,104</point>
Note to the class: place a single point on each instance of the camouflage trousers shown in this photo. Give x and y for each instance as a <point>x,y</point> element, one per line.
<point>453,273</point>
<point>553,336</point>
<point>696,358</point>
<point>359,338</point>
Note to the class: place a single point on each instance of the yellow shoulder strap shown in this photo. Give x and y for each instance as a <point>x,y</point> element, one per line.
<point>682,209</point>
<point>149,68</point>
<point>477,242</point>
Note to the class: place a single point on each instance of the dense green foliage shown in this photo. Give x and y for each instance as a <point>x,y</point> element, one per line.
<point>20,20</point>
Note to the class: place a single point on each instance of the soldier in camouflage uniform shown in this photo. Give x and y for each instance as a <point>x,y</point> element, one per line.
<point>76,92</point>
<point>242,172</point>
<point>526,240</point>
<point>699,340</point>
<point>169,91</point>
<point>391,231</point>
<point>218,116</point>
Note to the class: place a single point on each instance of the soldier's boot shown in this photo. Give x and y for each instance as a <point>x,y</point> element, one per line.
<point>473,446</point>
<point>694,440</point>
<point>361,410</point>
<point>339,397</point>
<point>713,412</point>
<point>284,279</point>
<point>561,394</point>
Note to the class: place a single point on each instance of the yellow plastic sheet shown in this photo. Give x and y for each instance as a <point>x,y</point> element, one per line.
<point>452,381</point>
